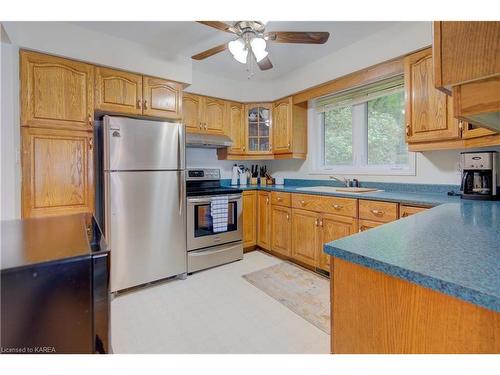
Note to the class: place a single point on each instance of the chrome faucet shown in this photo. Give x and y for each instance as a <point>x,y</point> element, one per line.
<point>347,183</point>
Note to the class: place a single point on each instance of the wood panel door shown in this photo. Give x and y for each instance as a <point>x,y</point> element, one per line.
<point>162,98</point>
<point>282,126</point>
<point>281,226</point>
<point>305,236</point>
<point>57,172</point>
<point>236,122</point>
<point>249,218</point>
<point>213,111</point>
<point>55,92</point>
<point>118,91</point>
<point>192,112</point>
<point>264,219</point>
<point>333,227</point>
<point>429,112</point>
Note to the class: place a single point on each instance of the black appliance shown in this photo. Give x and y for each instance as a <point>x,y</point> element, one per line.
<point>54,286</point>
<point>479,179</point>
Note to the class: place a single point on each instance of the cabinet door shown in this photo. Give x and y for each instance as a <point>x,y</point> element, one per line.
<point>282,126</point>
<point>55,92</point>
<point>118,91</point>
<point>333,227</point>
<point>213,115</point>
<point>264,220</point>
<point>474,131</point>
<point>281,230</point>
<point>429,112</point>
<point>57,172</point>
<point>249,218</point>
<point>258,129</point>
<point>305,236</point>
<point>236,115</point>
<point>192,112</point>
<point>162,98</point>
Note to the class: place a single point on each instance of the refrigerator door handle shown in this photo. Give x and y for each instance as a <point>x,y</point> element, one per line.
<point>181,192</point>
<point>182,146</point>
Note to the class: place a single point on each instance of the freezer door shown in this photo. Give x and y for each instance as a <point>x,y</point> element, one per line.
<point>132,144</point>
<point>146,227</point>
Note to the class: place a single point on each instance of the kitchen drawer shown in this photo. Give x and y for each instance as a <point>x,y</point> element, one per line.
<point>405,211</point>
<point>333,205</point>
<point>280,199</point>
<point>368,224</point>
<point>378,211</point>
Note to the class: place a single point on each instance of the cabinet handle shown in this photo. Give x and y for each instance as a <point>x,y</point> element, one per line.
<point>244,148</point>
<point>362,228</point>
<point>302,203</point>
<point>201,126</point>
<point>287,217</point>
<point>316,222</point>
<point>279,199</point>
<point>267,200</point>
<point>461,125</point>
<point>407,128</point>
<point>337,206</point>
<point>206,126</point>
<point>321,223</point>
<point>289,145</point>
<point>377,212</point>
<point>270,147</point>
<point>91,143</point>
<point>405,214</point>
<point>145,104</point>
<point>90,119</point>
<point>139,103</point>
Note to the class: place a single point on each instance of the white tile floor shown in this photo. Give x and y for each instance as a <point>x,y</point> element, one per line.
<point>213,311</point>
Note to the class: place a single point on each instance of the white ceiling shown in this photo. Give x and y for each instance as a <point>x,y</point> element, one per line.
<point>170,40</point>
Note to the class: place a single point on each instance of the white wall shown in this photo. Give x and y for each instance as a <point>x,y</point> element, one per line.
<point>10,178</point>
<point>207,158</point>
<point>432,167</point>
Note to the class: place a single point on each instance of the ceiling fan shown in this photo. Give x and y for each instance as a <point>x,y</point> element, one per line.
<point>252,40</point>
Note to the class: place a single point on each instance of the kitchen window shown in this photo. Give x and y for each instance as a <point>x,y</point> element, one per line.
<point>362,131</point>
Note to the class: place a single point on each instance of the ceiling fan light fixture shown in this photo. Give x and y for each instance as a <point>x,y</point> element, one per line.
<point>259,48</point>
<point>238,50</point>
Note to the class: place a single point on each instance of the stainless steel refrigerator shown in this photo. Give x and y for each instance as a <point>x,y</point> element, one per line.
<point>144,200</point>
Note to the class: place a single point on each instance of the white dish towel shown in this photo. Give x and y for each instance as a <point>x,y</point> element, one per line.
<point>219,208</point>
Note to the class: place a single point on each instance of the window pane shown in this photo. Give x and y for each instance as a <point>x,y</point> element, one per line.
<point>386,131</point>
<point>338,136</point>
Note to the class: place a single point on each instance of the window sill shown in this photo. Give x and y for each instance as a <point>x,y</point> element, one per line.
<point>363,171</point>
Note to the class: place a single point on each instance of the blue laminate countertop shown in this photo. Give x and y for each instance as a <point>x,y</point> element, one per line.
<point>453,248</point>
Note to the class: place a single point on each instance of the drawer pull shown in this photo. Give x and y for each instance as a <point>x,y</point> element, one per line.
<point>338,206</point>
<point>405,214</point>
<point>287,217</point>
<point>279,199</point>
<point>302,202</point>
<point>377,212</point>
<point>362,228</point>
<point>316,222</point>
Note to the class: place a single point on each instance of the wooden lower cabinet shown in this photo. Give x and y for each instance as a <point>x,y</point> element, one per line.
<point>281,226</point>
<point>249,218</point>
<point>368,224</point>
<point>264,219</point>
<point>57,172</point>
<point>305,236</point>
<point>405,211</point>
<point>333,227</point>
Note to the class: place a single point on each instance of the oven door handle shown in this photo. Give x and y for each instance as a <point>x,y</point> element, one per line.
<point>209,200</point>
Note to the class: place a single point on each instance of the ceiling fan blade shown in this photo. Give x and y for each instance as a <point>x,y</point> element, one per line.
<point>265,63</point>
<point>209,52</point>
<point>219,26</point>
<point>305,37</point>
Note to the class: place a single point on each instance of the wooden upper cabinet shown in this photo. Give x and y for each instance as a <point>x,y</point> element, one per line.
<point>162,98</point>
<point>57,172</point>
<point>429,115</point>
<point>281,226</point>
<point>56,92</point>
<point>264,219</point>
<point>305,236</point>
<point>333,227</point>
<point>118,91</point>
<point>192,112</point>
<point>249,218</point>
<point>282,126</point>
<point>236,124</point>
<point>213,115</point>
<point>465,51</point>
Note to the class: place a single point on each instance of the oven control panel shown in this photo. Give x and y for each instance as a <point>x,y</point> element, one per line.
<point>203,174</point>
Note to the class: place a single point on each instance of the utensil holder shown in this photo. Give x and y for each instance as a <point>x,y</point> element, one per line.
<point>253,181</point>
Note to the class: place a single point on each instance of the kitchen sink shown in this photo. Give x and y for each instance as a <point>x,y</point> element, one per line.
<point>334,189</point>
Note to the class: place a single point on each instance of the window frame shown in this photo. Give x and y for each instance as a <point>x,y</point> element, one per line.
<point>360,164</point>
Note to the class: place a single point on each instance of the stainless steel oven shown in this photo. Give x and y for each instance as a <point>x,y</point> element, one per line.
<point>200,232</point>
<point>206,247</point>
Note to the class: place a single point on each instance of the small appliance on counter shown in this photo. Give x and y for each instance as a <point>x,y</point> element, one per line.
<point>479,177</point>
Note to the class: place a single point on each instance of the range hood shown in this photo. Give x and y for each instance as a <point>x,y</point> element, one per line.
<point>208,140</point>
